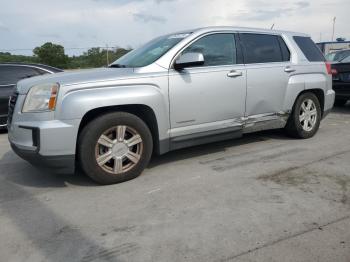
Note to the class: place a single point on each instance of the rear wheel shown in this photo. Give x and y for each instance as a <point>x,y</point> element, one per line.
<point>305,118</point>
<point>115,147</point>
<point>340,102</point>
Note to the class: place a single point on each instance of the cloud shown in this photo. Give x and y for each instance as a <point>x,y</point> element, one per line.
<point>269,11</point>
<point>3,27</point>
<point>146,18</point>
<point>262,14</point>
<point>162,1</point>
<point>125,2</point>
<point>302,4</point>
<point>49,35</point>
<point>89,23</point>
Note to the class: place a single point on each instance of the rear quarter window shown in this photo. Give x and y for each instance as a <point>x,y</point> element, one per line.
<point>309,49</point>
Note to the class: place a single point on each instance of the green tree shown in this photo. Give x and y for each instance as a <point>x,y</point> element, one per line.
<point>51,54</point>
<point>95,57</point>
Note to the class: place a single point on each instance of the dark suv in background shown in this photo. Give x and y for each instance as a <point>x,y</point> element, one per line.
<point>341,75</point>
<point>10,74</point>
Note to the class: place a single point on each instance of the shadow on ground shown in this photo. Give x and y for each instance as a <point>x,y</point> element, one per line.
<point>51,234</point>
<point>342,109</point>
<point>217,147</point>
<point>3,131</point>
<point>20,172</point>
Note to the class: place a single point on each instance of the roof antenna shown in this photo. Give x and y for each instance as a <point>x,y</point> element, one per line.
<point>272,26</point>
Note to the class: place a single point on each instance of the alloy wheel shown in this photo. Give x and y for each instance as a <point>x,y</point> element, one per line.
<point>118,149</point>
<point>308,115</point>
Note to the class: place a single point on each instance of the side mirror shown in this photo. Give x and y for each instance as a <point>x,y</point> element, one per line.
<point>189,60</point>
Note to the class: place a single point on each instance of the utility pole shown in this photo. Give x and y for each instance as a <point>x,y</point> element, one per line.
<point>107,55</point>
<point>334,18</point>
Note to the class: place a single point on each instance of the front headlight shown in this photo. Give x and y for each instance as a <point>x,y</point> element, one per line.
<point>41,98</point>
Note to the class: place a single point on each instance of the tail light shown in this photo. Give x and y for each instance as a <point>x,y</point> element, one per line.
<point>334,71</point>
<point>329,68</point>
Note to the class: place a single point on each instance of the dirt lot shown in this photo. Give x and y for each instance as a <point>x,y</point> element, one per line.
<point>265,197</point>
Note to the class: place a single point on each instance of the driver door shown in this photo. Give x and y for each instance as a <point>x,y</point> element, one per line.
<point>208,99</point>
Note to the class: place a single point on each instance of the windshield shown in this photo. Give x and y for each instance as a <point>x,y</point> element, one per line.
<point>150,52</point>
<point>341,56</point>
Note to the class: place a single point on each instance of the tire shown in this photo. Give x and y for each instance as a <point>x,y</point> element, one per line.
<point>340,102</point>
<point>295,126</point>
<point>102,140</point>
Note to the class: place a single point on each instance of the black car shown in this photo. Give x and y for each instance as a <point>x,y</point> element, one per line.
<point>10,74</point>
<point>341,75</point>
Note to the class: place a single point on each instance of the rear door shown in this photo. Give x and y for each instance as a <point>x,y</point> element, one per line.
<point>268,66</point>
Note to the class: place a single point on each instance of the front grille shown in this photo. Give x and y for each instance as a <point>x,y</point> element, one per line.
<point>12,104</point>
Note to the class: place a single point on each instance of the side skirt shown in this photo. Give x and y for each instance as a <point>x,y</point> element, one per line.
<point>205,137</point>
<point>251,124</point>
<point>265,122</point>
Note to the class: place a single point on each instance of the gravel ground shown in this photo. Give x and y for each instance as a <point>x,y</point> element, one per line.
<point>265,197</point>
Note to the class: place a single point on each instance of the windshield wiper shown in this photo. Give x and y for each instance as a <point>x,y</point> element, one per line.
<point>117,66</point>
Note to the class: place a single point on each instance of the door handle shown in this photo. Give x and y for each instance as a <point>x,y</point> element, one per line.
<point>234,73</point>
<point>288,69</point>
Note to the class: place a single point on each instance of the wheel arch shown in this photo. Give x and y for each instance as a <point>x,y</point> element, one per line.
<point>318,92</point>
<point>144,112</point>
<point>299,84</point>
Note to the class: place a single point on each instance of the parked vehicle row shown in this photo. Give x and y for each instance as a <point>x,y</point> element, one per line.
<point>333,46</point>
<point>176,91</point>
<point>10,74</point>
<point>341,75</point>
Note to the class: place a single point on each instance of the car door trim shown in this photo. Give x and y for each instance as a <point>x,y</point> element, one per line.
<point>209,126</point>
<point>205,137</point>
<point>265,121</point>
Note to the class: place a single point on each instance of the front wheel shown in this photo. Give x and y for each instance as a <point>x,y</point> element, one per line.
<point>115,147</point>
<point>305,118</point>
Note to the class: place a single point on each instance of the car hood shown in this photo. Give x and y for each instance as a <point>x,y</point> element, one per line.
<point>76,77</point>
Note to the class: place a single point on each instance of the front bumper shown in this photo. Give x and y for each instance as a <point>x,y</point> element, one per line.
<point>42,140</point>
<point>47,144</point>
<point>64,164</point>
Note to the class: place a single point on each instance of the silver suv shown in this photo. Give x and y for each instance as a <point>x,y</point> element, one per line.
<point>178,90</point>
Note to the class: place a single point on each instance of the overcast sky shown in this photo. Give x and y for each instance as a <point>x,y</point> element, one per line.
<point>25,24</point>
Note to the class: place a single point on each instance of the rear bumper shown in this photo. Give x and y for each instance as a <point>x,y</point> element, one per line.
<point>342,89</point>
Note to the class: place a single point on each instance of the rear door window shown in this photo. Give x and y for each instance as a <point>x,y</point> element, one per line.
<point>309,49</point>
<point>262,48</point>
